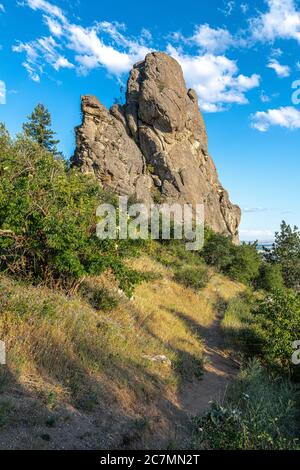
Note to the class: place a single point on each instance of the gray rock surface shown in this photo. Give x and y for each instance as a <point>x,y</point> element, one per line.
<point>155,146</point>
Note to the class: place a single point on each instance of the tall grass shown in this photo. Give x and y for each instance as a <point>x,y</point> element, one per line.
<point>243,333</point>
<point>260,413</point>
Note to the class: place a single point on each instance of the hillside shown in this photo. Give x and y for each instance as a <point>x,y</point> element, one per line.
<point>127,376</point>
<point>133,343</point>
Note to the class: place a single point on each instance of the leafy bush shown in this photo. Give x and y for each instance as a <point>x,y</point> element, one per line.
<point>270,277</point>
<point>261,414</point>
<point>48,219</point>
<point>218,251</point>
<point>194,277</point>
<point>245,263</point>
<point>241,262</point>
<point>100,298</point>
<point>279,314</point>
<point>286,252</point>
<point>188,266</point>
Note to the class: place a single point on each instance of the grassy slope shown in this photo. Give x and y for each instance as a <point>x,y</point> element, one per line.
<point>261,410</point>
<point>83,378</point>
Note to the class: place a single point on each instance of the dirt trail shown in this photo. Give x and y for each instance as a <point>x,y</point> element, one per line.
<point>174,321</point>
<point>219,371</point>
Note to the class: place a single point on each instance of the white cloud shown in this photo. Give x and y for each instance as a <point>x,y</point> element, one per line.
<point>251,210</point>
<point>228,8</point>
<point>62,63</point>
<point>93,52</point>
<point>244,8</point>
<point>87,44</point>
<point>54,26</point>
<point>281,70</point>
<point>2,9</point>
<point>2,92</point>
<point>44,49</point>
<point>264,98</point>
<point>287,117</point>
<point>276,52</point>
<point>33,74</point>
<point>215,79</point>
<point>212,40</point>
<point>281,21</point>
<point>46,7</point>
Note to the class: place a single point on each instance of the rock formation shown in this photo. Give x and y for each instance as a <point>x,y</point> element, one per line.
<point>155,146</point>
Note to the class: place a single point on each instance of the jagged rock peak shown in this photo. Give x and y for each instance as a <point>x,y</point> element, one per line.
<point>155,146</point>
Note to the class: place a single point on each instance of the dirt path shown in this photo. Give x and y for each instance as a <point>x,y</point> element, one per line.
<point>219,371</point>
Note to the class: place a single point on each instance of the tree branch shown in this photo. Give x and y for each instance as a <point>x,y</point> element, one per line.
<point>8,234</point>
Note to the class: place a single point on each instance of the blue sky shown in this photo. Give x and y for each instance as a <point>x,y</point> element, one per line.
<point>242,57</point>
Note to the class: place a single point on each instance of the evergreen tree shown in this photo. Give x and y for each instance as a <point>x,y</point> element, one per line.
<point>38,128</point>
<point>286,252</point>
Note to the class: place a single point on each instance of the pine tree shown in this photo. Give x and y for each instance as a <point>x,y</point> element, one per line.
<point>38,128</point>
<point>286,252</point>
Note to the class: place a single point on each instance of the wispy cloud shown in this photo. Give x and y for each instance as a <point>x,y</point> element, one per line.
<point>244,8</point>
<point>2,9</point>
<point>228,7</point>
<point>46,7</point>
<point>2,92</point>
<point>86,43</point>
<point>44,49</point>
<point>212,40</point>
<point>215,78</point>
<point>252,210</point>
<point>286,117</point>
<point>281,21</point>
<point>282,71</point>
<point>264,98</point>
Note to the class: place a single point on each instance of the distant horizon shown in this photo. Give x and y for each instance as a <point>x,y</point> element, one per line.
<point>260,242</point>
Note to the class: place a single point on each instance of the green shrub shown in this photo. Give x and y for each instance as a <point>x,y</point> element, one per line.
<point>266,326</point>
<point>245,263</point>
<point>259,414</point>
<point>279,314</point>
<point>48,219</point>
<point>194,277</point>
<point>99,298</point>
<point>240,262</point>
<point>217,251</point>
<point>286,252</point>
<point>270,277</point>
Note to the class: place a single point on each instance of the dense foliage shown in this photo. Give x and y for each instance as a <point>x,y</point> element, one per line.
<point>260,414</point>
<point>38,128</point>
<point>286,253</point>
<point>270,277</point>
<point>48,219</point>
<point>279,315</point>
<point>241,262</point>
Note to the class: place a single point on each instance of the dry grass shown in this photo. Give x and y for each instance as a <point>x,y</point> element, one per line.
<point>61,350</point>
<point>175,314</point>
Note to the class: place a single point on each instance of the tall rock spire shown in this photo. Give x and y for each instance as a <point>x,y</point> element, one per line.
<point>155,146</point>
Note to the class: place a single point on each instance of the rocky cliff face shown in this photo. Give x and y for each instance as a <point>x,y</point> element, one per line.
<point>155,146</point>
